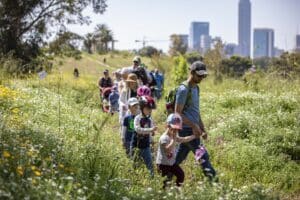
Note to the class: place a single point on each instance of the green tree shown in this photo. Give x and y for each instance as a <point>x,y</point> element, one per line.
<point>24,24</point>
<point>213,59</point>
<point>287,65</point>
<point>66,44</point>
<point>148,51</point>
<point>193,56</point>
<point>102,36</point>
<point>177,45</point>
<point>88,42</point>
<point>180,69</point>
<point>235,66</point>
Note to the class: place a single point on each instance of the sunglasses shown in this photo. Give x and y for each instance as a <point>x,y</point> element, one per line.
<point>201,76</point>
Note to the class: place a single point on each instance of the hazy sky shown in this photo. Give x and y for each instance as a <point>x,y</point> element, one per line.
<point>158,19</point>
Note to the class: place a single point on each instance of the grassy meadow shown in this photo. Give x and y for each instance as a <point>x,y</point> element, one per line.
<point>55,143</point>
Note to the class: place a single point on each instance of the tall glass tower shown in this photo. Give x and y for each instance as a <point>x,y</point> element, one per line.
<point>263,43</point>
<point>244,27</point>
<point>196,30</point>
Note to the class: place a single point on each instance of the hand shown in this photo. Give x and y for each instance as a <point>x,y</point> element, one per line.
<point>154,128</point>
<point>196,130</point>
<point>204,135</point>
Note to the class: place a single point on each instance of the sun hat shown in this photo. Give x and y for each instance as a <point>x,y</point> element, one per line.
<point>132,78</point>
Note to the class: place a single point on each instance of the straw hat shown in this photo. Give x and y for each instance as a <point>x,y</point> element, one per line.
<point>132,78</point>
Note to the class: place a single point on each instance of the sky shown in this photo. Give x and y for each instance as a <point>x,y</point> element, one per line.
<point>132,20</point>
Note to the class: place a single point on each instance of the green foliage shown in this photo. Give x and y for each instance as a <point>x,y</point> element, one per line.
<point>66,44</point>
<point>25,25</point>
<point>56,144</point>
<point>193,56</point>
<point>177,47</point>
<point>148,51</point>
<point>180,70</point>
<point>287,66</point>
<point>213,59</point>
<point>235,66</point>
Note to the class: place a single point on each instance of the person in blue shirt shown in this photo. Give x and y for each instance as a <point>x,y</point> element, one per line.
<point>192,122</point>
<point>128,123</point>
<point>113,99</point>
<point>159,79</point>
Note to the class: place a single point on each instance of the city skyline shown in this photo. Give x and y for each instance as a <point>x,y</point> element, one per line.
<point>158,20</point>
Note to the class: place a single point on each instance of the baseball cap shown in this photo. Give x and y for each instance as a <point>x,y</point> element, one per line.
<point>199,67</point>
<point>175,121</point>
<point>132,101</point>
<point>136,59</point>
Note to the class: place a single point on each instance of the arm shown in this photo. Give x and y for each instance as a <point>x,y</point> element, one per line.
<point>169,147</point>
<point>123,99</point>
<point>185,139</point>
<point>123,133</point>
<point>181,97</point>
<point>139,129</point>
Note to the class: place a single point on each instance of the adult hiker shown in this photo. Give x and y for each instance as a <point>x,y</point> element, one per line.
<point>189,109</point>
<point>104,82</point>
<point>129,91</point>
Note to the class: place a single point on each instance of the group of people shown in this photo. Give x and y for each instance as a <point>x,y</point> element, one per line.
<point>183,126</point>
<point>126,81</point>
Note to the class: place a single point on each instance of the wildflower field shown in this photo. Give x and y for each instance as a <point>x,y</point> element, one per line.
<point>55,143</point>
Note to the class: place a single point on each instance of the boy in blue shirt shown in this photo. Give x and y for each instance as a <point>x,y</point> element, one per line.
<point>128,124</point>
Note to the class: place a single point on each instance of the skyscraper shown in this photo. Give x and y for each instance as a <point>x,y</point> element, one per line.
<point>263,42</point>
<point>196,30</point>
<point>244,27</point>
<point>205,42</point>
<point>298,41</point>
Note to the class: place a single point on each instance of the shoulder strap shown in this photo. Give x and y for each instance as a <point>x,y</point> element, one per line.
<point>189,95</point>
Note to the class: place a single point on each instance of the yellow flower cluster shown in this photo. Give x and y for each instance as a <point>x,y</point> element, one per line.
<point>6,93</point>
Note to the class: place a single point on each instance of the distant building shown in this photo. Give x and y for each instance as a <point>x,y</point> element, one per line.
<point>278,52</point>
<point>184,38</point>
<point>263,44</point>
<point>205,43</point>
<point>231,49</point>
<point>196,30</point>
<point>298,43</point>
<point>244,28</point>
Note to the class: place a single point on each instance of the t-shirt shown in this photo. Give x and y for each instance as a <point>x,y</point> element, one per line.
<point>114,99</point>
<point>133,93</point>
<point>142,125</point>
<point>159,79</point>
<point>129,124</point>
<point>163,157</point>
<point>191,110</point>
<point>105,82</point>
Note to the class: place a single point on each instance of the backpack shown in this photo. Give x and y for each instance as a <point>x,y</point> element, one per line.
<point>171,97</point>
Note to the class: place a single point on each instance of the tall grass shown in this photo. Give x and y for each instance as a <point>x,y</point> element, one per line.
<point>56,144</point>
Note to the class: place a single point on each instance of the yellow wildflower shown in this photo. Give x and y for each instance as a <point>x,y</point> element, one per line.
<point>6,154</point>
<point>37,172</point>
<point>15,110</point>
<point>20,170</point>
<point>29,153</point>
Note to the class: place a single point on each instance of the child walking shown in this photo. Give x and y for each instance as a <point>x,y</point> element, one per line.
<point>128,123</point>
<point>144,128</point>
<point>166,150</point>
